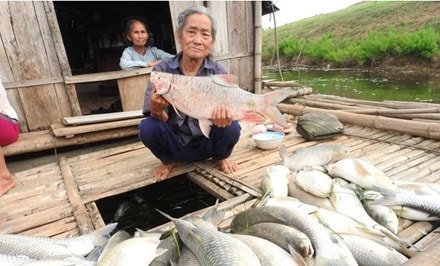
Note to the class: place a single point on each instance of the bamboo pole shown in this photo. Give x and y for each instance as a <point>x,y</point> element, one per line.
<point>416,128</point>
<point>71,131</point>
<point>258,47</point>
<point>83,220</point>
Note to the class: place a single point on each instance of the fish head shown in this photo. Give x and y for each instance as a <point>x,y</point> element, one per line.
<point>161,81</point>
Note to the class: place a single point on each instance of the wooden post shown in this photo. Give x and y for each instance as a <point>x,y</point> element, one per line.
<point>83,220</point>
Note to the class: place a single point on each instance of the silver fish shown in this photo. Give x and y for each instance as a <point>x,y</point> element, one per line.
<point>115,239</point>
<point>40,247</point>
<point>198,96</point>
<point>317,183</point>
<point>426,203</point>
<point>338,223</point>
<point>369,252</point>
<point>361,172</point>
<point>275,181</point>
<point>384,215</point>
<point>269,253</point>
<point>133,251</point>
<point>328,249</point>
<point>317,155</point>
<point>296,192</point>
<point>212,247</point>
<point>284,236</point>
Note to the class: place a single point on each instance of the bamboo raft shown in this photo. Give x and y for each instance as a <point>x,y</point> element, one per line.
<point>59,199</point>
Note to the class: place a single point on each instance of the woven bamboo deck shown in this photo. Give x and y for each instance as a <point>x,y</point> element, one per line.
<point>58,199</point>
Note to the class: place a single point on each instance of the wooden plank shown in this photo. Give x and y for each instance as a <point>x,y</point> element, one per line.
<point>46,141</point>
<point>109,75</point>
<point>209,186</point>
<point>132,92</point>
<point>99,118</point>
<point>69,132</point>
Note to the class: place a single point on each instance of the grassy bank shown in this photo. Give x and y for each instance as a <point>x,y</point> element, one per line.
<point>365,34</point>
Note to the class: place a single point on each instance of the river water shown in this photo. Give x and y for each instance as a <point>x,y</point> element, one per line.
<point>365,85</point>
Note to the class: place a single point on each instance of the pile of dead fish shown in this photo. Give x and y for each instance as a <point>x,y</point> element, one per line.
<point>347,207</point>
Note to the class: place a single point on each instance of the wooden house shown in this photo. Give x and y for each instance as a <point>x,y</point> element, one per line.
<point>60,59</point>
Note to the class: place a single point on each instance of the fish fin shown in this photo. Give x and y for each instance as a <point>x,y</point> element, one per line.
<point>270,110</point>
<point>205,127</point>
<point>160,252</point>
<point>175,110</point>
<point>253,117</point>
<point>225,80</point>
<point>196,237</point>
<point>101,235</point>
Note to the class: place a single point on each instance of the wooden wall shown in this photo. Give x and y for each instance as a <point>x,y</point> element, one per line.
<point>234,46</point>
<point>32,52</point>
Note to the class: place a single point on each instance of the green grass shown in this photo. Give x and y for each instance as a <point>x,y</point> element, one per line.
<point>363,34</point>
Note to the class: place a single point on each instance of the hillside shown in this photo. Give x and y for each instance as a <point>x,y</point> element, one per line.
<point>344,28</point>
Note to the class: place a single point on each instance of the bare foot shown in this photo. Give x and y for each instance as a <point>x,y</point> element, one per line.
<point>227,166</point>
<point>6,184</point>
<point>163,171</point>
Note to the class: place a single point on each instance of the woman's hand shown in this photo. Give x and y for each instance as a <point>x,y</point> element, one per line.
<point>221,116</point>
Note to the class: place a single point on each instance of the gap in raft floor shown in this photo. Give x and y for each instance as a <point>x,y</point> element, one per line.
<point>176,196</point>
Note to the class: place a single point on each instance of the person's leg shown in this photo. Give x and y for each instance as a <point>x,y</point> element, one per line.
<point>162,142</point>
<point>9,135</point>
<point>224,140</point>
<point>6,181</point>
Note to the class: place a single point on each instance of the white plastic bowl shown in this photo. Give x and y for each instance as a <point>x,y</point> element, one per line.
<point>268,140</point>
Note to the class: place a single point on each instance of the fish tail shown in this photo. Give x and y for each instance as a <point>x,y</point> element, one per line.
<point>270,110</point>
<point>101,235</point>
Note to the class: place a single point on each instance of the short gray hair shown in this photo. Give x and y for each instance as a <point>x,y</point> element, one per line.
<point>181,19</point>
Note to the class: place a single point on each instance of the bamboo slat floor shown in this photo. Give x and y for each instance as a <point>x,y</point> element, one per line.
<point>58,199</point>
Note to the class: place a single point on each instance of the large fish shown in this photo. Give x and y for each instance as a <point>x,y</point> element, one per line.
<point>317,155</point>
<point>284,236</point>
<point>276,180</point>
<point>198,96</point>
<point>328,249</point>
<point>369,252</point>
<point>40,247</point>
<point>362,173</point>
<point>270,254</point>
<point>133,251</point>
<point>212,247</point>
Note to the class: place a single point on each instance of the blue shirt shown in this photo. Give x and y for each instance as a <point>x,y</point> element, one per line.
<point>171,65</point>
<point>131,58</point>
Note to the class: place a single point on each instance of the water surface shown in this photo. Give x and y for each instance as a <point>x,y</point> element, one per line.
<point>365,85</point>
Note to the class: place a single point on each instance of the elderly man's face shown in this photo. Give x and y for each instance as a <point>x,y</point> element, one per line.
<point>196,38</point>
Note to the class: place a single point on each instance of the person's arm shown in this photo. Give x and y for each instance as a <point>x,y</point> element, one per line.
<point>154,104</point>
<point>126,61</point>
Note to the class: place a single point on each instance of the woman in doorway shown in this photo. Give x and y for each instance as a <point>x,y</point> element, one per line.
<point>139,53</point>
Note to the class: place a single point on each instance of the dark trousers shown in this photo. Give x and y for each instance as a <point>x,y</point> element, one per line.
<point>164,143</point>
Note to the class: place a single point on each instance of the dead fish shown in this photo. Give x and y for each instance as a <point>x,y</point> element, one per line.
<point>426,203</point>
<point>44,247</point>
<point>296,192</point>
<point>284,236</point>
<point>384,215</point>
<point>369,252</point>
<point>328,249</point>
<point>115,239</point>
<point>212,247</point>
<point>198,96</point>
<point>269,253</point>
<point>314,181</point>
<point>133,251</point>
<point>362,173</point>
<point>338,223</point>
<point>419,188</point>
<point>275,181</point>
<point>346,202</point>
<point>320,154</point>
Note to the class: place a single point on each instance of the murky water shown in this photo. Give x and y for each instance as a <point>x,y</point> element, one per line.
<point>366,85</point>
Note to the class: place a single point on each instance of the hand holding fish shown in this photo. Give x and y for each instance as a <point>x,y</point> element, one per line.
<point>221,116</point>
<point>158,105</point>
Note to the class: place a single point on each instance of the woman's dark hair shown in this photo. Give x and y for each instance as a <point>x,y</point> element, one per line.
<point>133,19</point>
